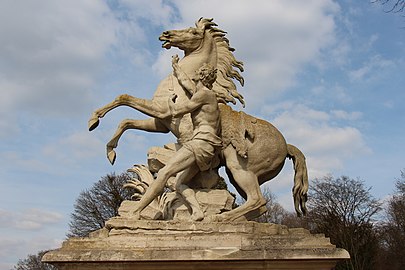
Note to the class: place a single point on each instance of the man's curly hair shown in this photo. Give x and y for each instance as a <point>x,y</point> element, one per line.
<point>207,74</point>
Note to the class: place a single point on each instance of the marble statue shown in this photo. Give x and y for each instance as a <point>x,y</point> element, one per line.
<point>177,218</point>
<point>191,102</point>
<point>197,153</point>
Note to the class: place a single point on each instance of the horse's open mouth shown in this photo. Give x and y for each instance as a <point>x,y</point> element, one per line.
<point>166,41</point>
<point>166,44</point>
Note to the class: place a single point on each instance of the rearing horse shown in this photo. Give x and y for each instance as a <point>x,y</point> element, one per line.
<point>254,150</point>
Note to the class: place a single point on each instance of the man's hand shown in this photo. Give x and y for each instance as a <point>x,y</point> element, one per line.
<point>185,82</point>
<point>175,60</point>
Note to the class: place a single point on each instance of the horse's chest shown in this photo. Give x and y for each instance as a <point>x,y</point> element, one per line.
<point>183,126</point>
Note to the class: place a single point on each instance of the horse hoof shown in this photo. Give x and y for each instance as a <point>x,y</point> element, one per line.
<point>93,123</point>
<point>111,155</point>
<point>255,213</point>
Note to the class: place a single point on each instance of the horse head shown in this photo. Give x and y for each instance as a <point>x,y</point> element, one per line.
<point>205,43</point>
<point>189,40</point>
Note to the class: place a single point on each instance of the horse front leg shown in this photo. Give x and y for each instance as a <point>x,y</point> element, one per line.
<point>150,125</point>
<point>153,108</point>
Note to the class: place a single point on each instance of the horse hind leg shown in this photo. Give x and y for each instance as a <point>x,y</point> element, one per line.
<point>248,182</point>
<point>234,184</point>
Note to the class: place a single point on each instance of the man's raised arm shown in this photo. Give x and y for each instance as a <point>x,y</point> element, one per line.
<point>185,82</point>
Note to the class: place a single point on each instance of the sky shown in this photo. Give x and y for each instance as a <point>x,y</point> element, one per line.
<point>328,74</point>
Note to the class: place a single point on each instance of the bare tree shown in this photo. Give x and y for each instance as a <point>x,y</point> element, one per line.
<point>92,208</point>
<point>392,5</point>
<point>345,211</point>
<point>393,230</point>
<point>96,205</point>
<point>275,212</point>
<point>33,262</point>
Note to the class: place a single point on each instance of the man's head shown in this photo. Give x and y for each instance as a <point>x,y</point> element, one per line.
<point>207,74</point>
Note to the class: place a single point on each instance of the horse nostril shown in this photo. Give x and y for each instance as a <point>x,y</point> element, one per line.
<point>166,33</point>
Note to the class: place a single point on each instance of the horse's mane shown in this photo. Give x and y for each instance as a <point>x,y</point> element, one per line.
<point>224,87</point>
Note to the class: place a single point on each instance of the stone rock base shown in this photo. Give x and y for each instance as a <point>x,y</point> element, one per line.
<point>171,205</point>
<point>138,244</point>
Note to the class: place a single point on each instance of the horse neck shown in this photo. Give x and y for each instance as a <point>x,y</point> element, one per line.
<point>205,53</point>
<point>192,61</point>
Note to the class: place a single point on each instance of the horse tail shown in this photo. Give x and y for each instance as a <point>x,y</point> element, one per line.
<point>300,188</point>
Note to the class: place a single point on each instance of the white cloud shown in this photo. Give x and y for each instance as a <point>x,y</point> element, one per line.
<point>29,219</point>
<point>389,104</point>
<point>51,53</point>
<point>156,12</point>
<point>83,149</point>
<point>326,145</point>
<point>136,19</point>
<point>372,40</point>
<point>23,161</point>
<point>275,39</point>
<point>8,249</point>
<point>340,114</point>
<point>162,65</point>
<point>54,54</point>
<point>372,69</point>
<point>337,54</point>
<point>336,92</point>
<point>14,248</point>
<point>56,156</point>
<point>75,148</point>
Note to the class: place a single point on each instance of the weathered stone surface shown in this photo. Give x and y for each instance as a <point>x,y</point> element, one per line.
<point>130,244</point>
<point>211,134</point>
<point>252,150</point>
<point>149,212</point>
<point>159,156</point>
<point>172,206</point>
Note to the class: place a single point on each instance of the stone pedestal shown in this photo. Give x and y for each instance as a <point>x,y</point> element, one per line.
<point>131,244</point>
<point>172,206</point>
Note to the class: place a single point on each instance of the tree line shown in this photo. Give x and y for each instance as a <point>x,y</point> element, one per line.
<point>342,208</point>
<point>371,230</point>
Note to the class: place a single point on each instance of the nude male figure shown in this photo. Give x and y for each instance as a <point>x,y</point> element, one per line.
<point>196,154</point>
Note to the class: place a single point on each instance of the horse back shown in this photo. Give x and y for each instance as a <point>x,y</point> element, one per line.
<point>259,144</point>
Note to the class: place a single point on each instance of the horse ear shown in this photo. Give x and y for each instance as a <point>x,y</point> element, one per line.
<point>198,23</point>
<point>204,23</point>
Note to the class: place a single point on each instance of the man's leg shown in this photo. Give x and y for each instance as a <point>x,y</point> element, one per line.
<point>182,159</point>
<point>187,193</point>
